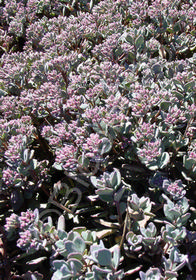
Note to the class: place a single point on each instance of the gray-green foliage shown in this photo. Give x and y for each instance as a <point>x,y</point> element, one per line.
<point>97,130</point>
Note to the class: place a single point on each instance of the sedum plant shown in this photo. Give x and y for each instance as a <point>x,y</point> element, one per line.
<point>97,139</point>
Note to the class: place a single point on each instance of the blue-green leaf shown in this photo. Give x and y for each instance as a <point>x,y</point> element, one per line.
<point>104,257</point>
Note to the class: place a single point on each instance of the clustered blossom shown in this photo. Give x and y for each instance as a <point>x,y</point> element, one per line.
<point>14,149</point>
<point>91,145</point>
<point>43,101</point>
<point>5,39</point>
<point>22,222</point>
<point>174,115</point>
<point>9,106</point>
<point>153,45</point>
<point>150,151</point>
<point>26,218</point>
<point>25,239</point>
<point>32,234</point>
<point>113,113</point>
<point>144,133</point>
<point>106,49</point>
<point>22,125</point>
<point>174,189</point>
<point>191,131</point>
<point>12,222</point>
<point>107,18</point>
<point>11,177</point>
<point>139,10</point>
<point>56,135</point>
<point>66,157</point>
<point>142,100</point>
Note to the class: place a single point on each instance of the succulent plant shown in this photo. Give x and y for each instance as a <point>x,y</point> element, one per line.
<point>97,139</point>
<point>107,186</point>
<point>176,213</point>
<point>152,273</point>
<point>134,241</point>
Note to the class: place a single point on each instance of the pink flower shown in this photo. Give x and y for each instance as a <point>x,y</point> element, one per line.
<point>66,157</point>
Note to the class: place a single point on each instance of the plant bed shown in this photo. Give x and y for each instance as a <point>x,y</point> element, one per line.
<point>97,139</point>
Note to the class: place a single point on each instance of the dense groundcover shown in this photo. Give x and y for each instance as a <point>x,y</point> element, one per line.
<point>97,139</point>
